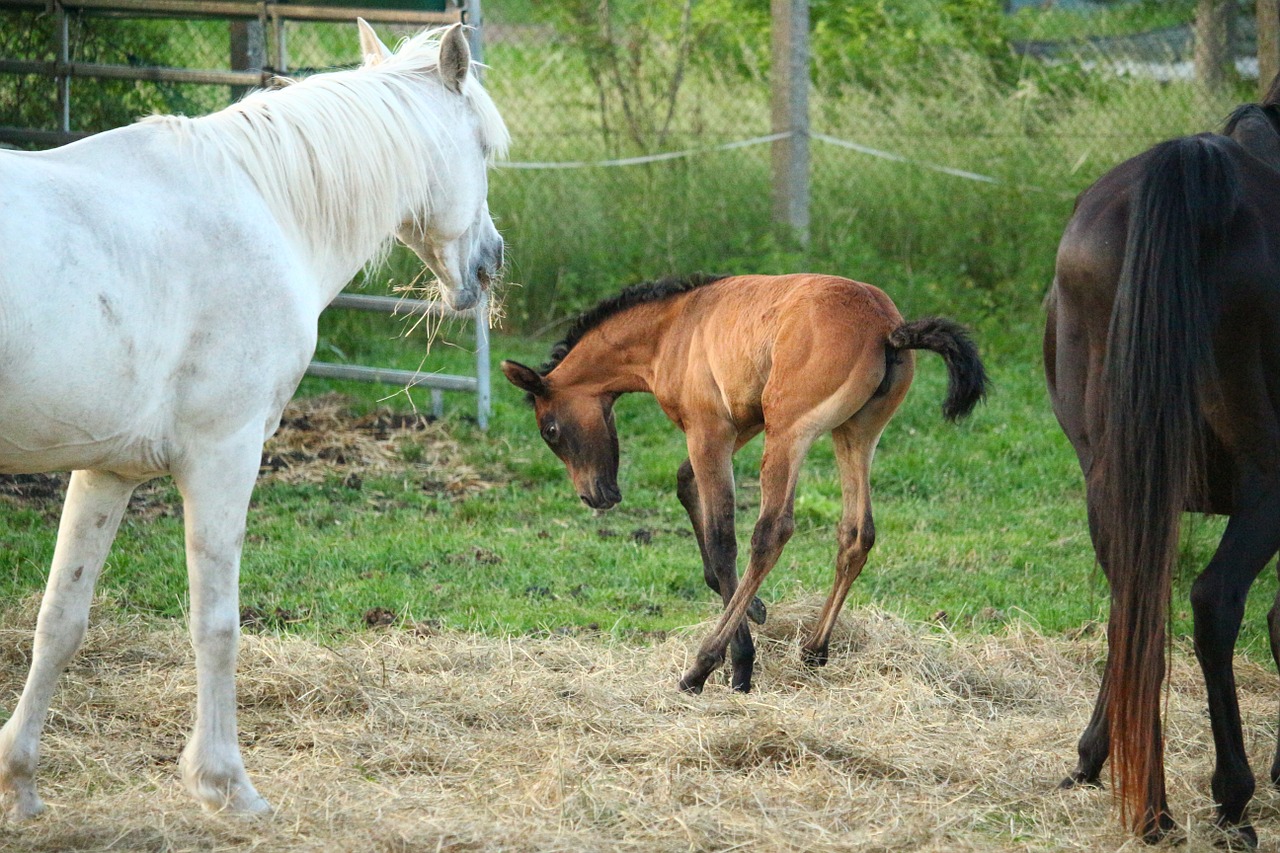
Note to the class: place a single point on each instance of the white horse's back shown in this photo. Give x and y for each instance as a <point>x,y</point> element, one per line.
<point>132,277</point>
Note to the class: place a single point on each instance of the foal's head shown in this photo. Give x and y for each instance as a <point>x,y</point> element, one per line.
<point>578,426</point>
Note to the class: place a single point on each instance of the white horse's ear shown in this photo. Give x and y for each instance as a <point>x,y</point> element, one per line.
<point>371,47</point>
<point>455,58</point>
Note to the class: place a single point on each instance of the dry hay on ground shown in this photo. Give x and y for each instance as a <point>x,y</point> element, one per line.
<point>911,739</point>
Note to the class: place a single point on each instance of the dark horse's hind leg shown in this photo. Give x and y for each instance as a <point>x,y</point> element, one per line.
<point>1095,742</point>
<point>1273,630</point>
<point>719,548</point>
<point>1217,600</point>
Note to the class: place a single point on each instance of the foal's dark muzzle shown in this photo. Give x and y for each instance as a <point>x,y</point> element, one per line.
<point>602,497</point>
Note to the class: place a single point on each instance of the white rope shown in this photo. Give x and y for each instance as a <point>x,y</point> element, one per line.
<point>898,158</point>
<point>647,158</point>
<point>773,137</point>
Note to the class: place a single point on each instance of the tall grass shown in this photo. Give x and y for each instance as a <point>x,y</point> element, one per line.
<point>982,250</point>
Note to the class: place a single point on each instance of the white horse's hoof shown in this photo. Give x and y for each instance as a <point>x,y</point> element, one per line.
<point>22,804</point>
<point>251,805</point>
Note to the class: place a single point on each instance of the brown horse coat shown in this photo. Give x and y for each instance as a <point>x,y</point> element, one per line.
<point>726,358</point>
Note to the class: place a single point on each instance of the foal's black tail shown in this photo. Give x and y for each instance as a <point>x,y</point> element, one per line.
<point>1149,462</point>
<point>966,377</point>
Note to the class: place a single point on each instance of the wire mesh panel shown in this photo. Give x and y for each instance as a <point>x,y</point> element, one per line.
<point>947,139</point>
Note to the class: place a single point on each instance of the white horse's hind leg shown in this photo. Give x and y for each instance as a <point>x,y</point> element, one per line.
<point>95,502</point>
<point>215,488</point>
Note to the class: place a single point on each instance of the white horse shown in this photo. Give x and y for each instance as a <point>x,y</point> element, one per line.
<point>159,291</point>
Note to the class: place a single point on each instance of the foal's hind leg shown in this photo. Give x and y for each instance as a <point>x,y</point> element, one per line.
<point>856,534</point>
<point>216,485</point>
<point>94,504</point>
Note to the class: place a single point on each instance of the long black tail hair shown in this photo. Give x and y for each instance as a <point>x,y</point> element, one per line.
<point>1149,462</point>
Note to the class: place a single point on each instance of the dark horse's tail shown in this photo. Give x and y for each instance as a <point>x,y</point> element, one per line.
<point>967,379</point>
<point>1149,462</point>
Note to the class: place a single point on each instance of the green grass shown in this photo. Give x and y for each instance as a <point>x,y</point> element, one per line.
<point>983,522</point>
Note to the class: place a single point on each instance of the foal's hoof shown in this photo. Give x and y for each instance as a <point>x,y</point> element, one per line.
<point>697,676</point>
<point>756,611</point>
<point>814,657</point>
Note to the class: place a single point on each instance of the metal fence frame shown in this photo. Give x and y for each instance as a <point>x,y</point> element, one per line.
<point>270,16</point>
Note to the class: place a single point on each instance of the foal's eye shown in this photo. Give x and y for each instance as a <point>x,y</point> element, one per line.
<point>551,432</point>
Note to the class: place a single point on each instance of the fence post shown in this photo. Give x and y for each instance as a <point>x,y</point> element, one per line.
<point>473,17</point>
<point>1213,55</point>
<point>790,111</point>
<point>248,51</point>
<point>1268,44</point>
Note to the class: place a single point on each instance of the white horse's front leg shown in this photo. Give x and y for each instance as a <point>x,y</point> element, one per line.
<point>216,487</point>
<point>95,502</point>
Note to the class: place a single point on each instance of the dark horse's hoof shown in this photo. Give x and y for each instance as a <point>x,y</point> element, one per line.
<point>756,611</point>
<point>688,685</point>
<point>1236,837</point>
<point>1163,829</point>
<point>1079,780</point>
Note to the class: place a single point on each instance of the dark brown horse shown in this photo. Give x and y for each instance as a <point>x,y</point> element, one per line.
<point>793,356</point>
<point>1162,353</point>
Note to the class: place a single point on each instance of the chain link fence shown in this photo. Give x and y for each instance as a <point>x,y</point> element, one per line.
<point>641,145</point>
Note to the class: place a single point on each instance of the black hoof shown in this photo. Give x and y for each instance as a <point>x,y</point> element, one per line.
<point>1160,830</point>
<point>688,685</point>
<point>814,657</point>
<point>1079,780</point>
<point>756,611</point>
<point>1236,837</point>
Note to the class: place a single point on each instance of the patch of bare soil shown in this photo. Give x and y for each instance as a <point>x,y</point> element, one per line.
<point>319,438</point>
<point>911,739</point>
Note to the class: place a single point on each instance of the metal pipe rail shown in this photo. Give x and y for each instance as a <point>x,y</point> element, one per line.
<point>436,382</point>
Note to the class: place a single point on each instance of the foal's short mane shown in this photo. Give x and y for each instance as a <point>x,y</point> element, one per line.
<point>636,294</point>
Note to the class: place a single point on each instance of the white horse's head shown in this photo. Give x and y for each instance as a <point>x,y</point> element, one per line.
<point>457,241</point>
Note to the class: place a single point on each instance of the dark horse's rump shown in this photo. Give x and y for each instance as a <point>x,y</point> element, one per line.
<point>1160,365</point>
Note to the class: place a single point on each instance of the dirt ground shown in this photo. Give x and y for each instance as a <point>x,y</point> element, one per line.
<point>395,740</point>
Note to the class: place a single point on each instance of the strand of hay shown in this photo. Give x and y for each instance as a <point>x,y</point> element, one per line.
<point>911,739</point>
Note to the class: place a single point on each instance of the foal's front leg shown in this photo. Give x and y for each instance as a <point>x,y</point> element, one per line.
<point>709,490</point>
<point>94,505</point>
<point>216,486</point>
<point>687,492</point>
<point>783,454</point>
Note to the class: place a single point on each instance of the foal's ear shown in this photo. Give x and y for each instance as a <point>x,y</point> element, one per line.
<point>371,47</point>
<point>524,378</point>
<point>455,58</point>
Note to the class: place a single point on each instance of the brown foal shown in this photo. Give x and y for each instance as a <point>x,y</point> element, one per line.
<point>793,356</point>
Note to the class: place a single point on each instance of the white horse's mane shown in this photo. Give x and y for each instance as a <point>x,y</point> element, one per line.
<point>343,154</point>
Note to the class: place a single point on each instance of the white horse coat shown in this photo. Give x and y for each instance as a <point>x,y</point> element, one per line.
<point>160,286</point>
